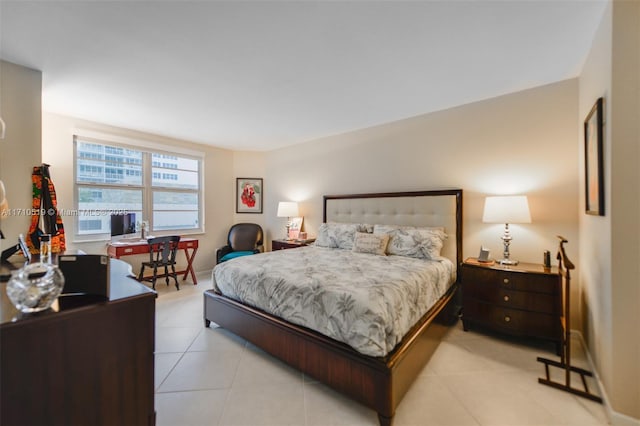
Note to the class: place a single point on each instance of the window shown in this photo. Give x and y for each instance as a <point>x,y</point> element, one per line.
<point>159,187</point>
<point>90,225</point>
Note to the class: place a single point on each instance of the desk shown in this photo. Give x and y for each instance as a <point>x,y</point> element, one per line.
<point>126,248</point>
<point>89,361</point>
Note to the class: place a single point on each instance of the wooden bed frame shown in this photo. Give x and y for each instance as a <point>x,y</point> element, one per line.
<point>377,382</point>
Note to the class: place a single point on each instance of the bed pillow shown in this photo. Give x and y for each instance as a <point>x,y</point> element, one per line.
<point>421,243</point>
<point>336,235</point>
<point>323,239</point>
<point>370,243</point>
<point>365,227</point>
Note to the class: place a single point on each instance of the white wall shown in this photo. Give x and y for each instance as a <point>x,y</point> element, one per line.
<point>250,164</point>
<point>625,207</point>
<point>610,254</point>
<point>595,231</point>
<point>21,102</point>
<point>522,143</point>
<point>57,150</point>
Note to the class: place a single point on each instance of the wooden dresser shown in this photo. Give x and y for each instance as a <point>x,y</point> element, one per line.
<point>87,361</point>
<point>522,300</point>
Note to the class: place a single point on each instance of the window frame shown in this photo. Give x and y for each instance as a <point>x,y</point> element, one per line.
<point>147,188</point>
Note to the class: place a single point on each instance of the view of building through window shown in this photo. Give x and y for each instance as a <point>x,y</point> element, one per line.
<point>160,188</point>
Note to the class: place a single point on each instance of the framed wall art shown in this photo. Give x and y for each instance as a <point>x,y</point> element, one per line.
<point>249,193</point>
<point>593,160</point>
<point>295,228</point>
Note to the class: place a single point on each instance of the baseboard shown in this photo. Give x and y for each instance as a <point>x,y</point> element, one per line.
<point>615,418</point>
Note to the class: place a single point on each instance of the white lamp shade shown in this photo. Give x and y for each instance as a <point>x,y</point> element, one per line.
<point>287,209</point>
<point>506,209</point>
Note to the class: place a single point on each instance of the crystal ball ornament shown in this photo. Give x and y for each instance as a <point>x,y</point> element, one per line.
<point>35,287</point>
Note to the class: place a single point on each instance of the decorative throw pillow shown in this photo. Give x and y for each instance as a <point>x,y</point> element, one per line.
<point>336,235</point>
<point>371,243</point>
<point>421,243</point>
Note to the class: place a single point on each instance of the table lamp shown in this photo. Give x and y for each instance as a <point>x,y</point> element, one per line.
<point>506,209</point>
<point>287,209</point>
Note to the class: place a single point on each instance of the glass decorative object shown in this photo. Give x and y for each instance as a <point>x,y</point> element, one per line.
<point>45,248</point>
<point>35,287</point>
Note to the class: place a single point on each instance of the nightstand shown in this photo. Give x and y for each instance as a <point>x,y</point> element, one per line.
<point>287,244</point>
<point>521,300</point>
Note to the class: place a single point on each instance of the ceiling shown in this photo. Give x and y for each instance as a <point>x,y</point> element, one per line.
<point>268,74</point>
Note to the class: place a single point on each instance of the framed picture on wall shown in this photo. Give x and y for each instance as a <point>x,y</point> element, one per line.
<point>593,160</point>
<point>295,228</point>
<point>249,195</point>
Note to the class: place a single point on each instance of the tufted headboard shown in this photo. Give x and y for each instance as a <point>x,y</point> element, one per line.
<point>418,208</point>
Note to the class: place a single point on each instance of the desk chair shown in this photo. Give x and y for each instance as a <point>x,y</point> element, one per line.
<point>162,253</point>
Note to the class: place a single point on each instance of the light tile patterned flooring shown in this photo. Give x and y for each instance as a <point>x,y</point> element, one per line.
<point>208,376</point>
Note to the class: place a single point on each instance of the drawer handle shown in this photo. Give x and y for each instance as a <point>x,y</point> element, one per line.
<point>506,280</point>
<point>128,250</point>
<point>506,298</point>
<point>507,318</point>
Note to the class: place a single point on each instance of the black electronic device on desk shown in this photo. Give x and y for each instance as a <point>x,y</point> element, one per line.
<point>85,274</point>
<point>122,226</point>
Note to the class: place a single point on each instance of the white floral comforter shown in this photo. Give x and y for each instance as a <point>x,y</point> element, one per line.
<point>366,301</point>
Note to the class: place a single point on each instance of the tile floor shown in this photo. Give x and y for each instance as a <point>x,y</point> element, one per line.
<point>208,376</point>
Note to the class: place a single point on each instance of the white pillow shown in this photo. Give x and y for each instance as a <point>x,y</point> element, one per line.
<point>409,241</point>
<point>371,243</point>
<point>323,239</point>
<point>336,235</point>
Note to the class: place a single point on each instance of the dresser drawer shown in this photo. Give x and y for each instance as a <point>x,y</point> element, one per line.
<point>499,295</point>
<point>512,280</point>
<point>127,250</point>
<point>513,321</point>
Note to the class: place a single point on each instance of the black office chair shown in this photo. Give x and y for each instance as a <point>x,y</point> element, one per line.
<point>243,239</point>
<point>162,253</point>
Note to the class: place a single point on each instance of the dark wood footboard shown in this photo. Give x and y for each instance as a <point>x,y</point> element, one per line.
<point>378,383</point>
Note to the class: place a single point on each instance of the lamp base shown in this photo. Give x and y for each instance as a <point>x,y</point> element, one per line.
<point>508,262</point>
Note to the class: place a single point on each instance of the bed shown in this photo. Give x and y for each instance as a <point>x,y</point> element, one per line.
<point>379,373</point>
